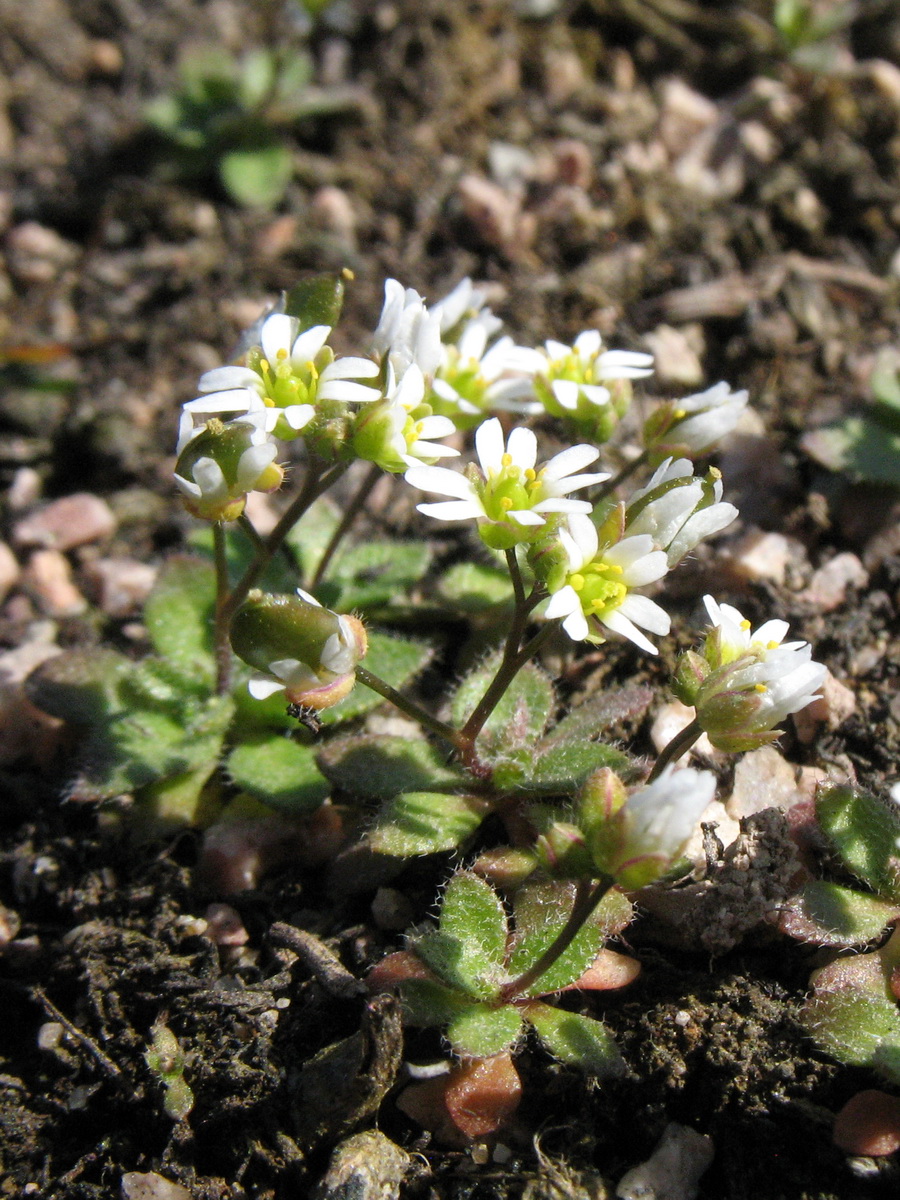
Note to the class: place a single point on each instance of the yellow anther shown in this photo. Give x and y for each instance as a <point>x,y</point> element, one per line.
<point>506,503</point>
<point>745,624</point>
<point>506,460</point>
<point>281,354</point>
<point>577,582</point>
<point>530,474</point>
<point>680,414</point>
<point>772,645</point>
<point>759,687</point>
<point>614,568</point>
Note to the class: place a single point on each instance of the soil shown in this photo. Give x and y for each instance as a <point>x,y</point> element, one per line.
<point>636,167</point>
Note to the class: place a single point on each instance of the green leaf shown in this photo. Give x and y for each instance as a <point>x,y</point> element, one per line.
<point>576,1040</point>
<point>375,574</point>
<point>861,446</point>
<point>852,1026</point>
<point>179,613</point>
<point>886,1061</point>
<point>80,686</point>
<point>468,948</point>
<point>472,587</point>
<point>598,713</point>
<point>831,915</point>
<point>279,575</point>
<point>258,176</point>
<point>566,766</point>
<point>480,1030</point>
<point>416,823</point>
<point>395,660</point>
<point>885,385</point>
<point>140,746</point>
<point>516,724</point>
<point>376,767</point>
<point>427,1002</point>
<point>541,911</point>
<point>279,772</point>
<point>864,832</point>
<point>161,683</point>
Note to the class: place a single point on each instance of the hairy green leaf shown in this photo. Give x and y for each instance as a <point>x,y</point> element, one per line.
<point>374,575</point>
<point>511,731</point>
<point>576,1040</point>
<point>376,767</point>
<point>472,587</point>
<point>81,686</point>
<point>565,767</point>
<point>600,711</point>
<point>257,176</point>
<point>309,538</point>
<point>279,772</point>
<point>831,915</point>
<point>425,823</point>
<point>864,832</point>
<point>179,613</point>
<point>480,1030</point>
<point>467,950</point>
<point>541,912</point>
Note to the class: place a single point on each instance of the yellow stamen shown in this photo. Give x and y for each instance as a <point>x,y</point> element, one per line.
<point>577,582</point>
<point>759,687</point>
<point>281,354</point>
<point>745,624</point>
<point>506,503</point>
<point>530,474</point>
<point>680,414</point>
<point>506,460</point>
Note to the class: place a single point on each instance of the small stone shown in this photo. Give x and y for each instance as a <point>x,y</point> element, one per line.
<point>10,924</point>
<point>762,779</point>
<point>120,585</point>
<point>496,215</point>
<point>137,1185</point>
<point>331,208</point>
<point>676,361</point>
<point>829,584</point>
<point>367,1166</point>
<point>869,1124</point>
<point>673,1171</point>
<point>760,557</point>
<point>105,57</point>
<point>48,578</point>
<point>72,521</point>
<point>25,489</point>
<point>37,254</point>
<point>574,162</point>
<point>225,927</point>
<point>836,703</point>
<point>9,570</point>
<point>683,114</point>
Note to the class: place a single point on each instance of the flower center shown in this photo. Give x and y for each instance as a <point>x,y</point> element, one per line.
<point>510,488</point>
<point>600,588</point>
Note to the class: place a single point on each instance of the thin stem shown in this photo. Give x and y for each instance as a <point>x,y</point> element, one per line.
<point>587,898</point>
<point>515,575</point>
<point>315,483</point>
<point>678,745</point>
<point>251,531</point>
<point>352,511</point>
<point>513,661</point>
<point>447,732</point>
<point>222,642</point>
<point>629,469</point>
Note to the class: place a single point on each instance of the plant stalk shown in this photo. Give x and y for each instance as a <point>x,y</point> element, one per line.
<point>352,511</point>
<point>678,746</point>
<point>222,642</point>
<point>447,732</point>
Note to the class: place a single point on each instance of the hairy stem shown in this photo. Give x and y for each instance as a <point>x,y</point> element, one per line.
<point>352,511</point>
<point>587,897</point>
<point>678,745</point>
<point>222,642</point>
<point>447,732</point>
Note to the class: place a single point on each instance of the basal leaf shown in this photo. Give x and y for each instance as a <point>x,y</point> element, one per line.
<point>257,176</point>
<point>179,613</point>
<point>468,948</point>
<point>377,767</point>
<point>518,721</point>
<point>81,686</point>
<point>831,915</point>
<point>864,832</point>
<point>565,767</point>
<point>473,587</point>
<point>576,1040</point>
<point>427,1002</point>
<point>541,912</point>
<point>852,1026</point>
<point>375,574</point>
<point>279,576</point>
<point>598,713</point>
<point>481,1030</point>
<point>280,772</point>
<point>309,538</point>
<point>416,823</point>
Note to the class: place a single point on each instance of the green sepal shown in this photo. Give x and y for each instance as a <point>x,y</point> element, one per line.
<point>377,767</point>
<point>80,686</point>
<point>179,613</point>
<point>468,948</point>
<point>279,772</point>
<point>864,832</point>
<point>471,587</point>
<point>576,1040</point>
<point>481,1030</point>
<point>828,914</point>
<point>415,823</point>
<point>541,911</point>
<point>395,660</point>
<point>374,575</point>
<point>316,301</point>
<point>257,176</point>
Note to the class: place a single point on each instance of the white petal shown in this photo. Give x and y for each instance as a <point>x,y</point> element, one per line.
<point>350,393</point>
<point>440,480</point>
<point>451,510</point>
<point>619,623</point>
<point>562,603</point>
<point>489,445</point>
<point>188,486</point>
<point>222,379</point>
<point>566,392</point>
<point>521,446</point>
<point>574,482</point>
<point>308,344</point>
<point>525,516</point>
<point>561,504</point>
<point>570,460</point>
<point>277,334</point>
<point>261,688</point>
<point>436,427</point>
<point>351,368</point>
<point>576,626</point>
<point>252,463</point>
<point>208,474</point>
<point>298,416</point>
<point>235,400</point>
<point>588,343</point>
<point>308,597</point>
<point>623,364</point>
<point>584,535</point>
<point>646,613</point>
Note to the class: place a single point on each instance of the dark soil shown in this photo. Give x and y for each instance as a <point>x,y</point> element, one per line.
<point>759,217</point>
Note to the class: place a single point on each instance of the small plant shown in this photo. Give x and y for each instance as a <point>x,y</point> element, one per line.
<point>267,648</point>
<point>810,29</point>
<point>866,446</point>
<point>229,116</point>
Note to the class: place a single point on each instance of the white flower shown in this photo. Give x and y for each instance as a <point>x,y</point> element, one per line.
<point>475,378</point>
<point>677,510</point>
<point>508,497</point>
<point>290,371</point>
<point>695,423</point>
<point>396,434</point>
<point>219,464</point>
<point>654,824</point>
<point>577,374</point>
<point>755,681</point>
<point>407,332</point>
<point>465,301</point>
<point>599,585</point>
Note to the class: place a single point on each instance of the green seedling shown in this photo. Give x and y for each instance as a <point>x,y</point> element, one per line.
<point>165,1059</point>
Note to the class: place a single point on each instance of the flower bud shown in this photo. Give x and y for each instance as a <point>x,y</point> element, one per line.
<point>305,649</point>
<point>562,852</point>
<point>644,836</point>
<point>690,672</point>
<point>221,464</point>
